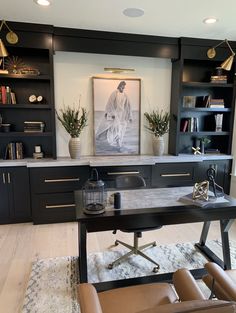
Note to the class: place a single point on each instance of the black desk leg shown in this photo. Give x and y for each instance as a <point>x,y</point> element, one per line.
<point>205,230</point>
<point>224,228</point>
<point>83,273</point>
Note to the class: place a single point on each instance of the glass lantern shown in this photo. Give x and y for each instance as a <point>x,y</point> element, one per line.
<point>93,195</point>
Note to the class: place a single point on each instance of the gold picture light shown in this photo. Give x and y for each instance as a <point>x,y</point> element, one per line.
<point>118,70</point>
<point>227,64</point>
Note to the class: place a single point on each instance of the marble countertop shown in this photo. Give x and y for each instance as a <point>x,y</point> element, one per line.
<point>113,160</point>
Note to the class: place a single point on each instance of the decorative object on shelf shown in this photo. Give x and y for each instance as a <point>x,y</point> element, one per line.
<point>11,36</point>
<point>29,71</point>
<point>219,122</point>
<point>6,128</point>
<point>14,65</point>
<point>93,195</point>
<point>200,190</point>
<point>38,154</point>
<point>35,99</point>
<point>217,190</point>
<point>203,142</point>
<point>73,120</point>
<point>158,126</point>
<point>116,116</point>
<point>218,76</point>
<point>3,54</point>
<point>227,64</point>
<point>196,150</point>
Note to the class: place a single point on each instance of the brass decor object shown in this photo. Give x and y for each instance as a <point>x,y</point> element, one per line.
<point>200,190</point>
<point>227,64</point>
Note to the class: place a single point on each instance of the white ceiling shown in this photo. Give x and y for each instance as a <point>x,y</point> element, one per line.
<point>171,18</point>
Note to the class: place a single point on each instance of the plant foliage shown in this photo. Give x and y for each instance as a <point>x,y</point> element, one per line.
<point>73,119</point>
<point>158,122</point>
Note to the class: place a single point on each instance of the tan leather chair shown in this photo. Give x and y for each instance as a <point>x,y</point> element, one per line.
<point>152,298</point>
<point>221,283</point>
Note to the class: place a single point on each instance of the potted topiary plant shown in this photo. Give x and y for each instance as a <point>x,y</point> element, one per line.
<point>73,119</point>
<point>158,125</point>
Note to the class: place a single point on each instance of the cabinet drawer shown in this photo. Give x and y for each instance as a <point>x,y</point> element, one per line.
<point>53,208</point>
<point>58,179</point>
<point>109,173</point>
<point>173,174</point>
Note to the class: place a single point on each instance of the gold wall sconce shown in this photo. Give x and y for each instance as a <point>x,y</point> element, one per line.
<point>227,64</point>
<point>12,38</point>
<point>118,70</point>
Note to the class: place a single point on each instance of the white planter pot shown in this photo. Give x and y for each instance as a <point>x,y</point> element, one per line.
<point>158,145</point>
<point>74,148</point>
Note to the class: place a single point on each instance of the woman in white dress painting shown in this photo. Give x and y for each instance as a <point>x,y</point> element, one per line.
<point>117,115</point>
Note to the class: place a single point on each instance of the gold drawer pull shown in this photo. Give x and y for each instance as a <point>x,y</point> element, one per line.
<point>175,175</point>
<point>62,180</point>
<point>56,206</point>
<point>123,173</point>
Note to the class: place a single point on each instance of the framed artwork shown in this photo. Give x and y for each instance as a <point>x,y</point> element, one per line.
<point>116,115</point>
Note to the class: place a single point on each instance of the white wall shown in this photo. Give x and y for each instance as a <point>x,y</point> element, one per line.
<point>73,73</point>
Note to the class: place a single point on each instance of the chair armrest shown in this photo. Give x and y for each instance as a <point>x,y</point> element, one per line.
<point>222,279</point>
<point>186,286</point>
<point>88,299</point>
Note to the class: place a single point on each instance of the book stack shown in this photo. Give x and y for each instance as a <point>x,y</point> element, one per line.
<point>219,79</point>
<point>216,103</point>
<point>7,96</point>
<point>34,127</point>
<point>190,124</point>
<point>14,151</point>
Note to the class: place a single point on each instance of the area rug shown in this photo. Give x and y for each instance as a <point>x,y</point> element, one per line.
<point>52,283</point>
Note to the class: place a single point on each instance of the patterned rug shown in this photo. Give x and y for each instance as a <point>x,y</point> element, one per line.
<point>52,283</point>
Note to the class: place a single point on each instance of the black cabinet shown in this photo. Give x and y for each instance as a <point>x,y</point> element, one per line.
<point>52,190</point>
<point>109,173</point>
<point>197,100</point>
<point>15,195</point>
<point>173,174</point>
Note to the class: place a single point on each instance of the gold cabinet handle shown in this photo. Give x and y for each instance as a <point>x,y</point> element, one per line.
<point>175,175</point>
<point>123,173</point>
<point>8,178</point>
<point>61,180</point>
<point>57,206</point>
<point>3,178</point>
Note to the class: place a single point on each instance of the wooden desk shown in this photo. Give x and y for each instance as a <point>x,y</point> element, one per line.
<point>145,208</point>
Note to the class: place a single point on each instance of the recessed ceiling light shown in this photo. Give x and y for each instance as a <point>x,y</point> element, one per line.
<point>133,12</point>
<point>42,2</point>
<point>210,20</point>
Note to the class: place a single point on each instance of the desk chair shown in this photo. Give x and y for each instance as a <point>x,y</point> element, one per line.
<point>133,182</point>
<point>222,283</point>
<point>152,298</point>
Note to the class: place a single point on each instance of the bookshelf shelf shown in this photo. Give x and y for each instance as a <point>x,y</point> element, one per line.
<point>206,85</point>
<point>26,134</point>
<point>206,109</point>
<point>25,106</point>
<point>27,77</point>
<point>204,133</point>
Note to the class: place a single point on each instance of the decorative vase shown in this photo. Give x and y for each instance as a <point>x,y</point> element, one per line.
<point>158,145</point>
<point>74,148</point>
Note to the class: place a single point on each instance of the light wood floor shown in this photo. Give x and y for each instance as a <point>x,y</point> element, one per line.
<point>21,244</point>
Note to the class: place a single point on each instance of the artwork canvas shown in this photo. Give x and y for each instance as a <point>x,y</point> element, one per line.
<point>116,116</point>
